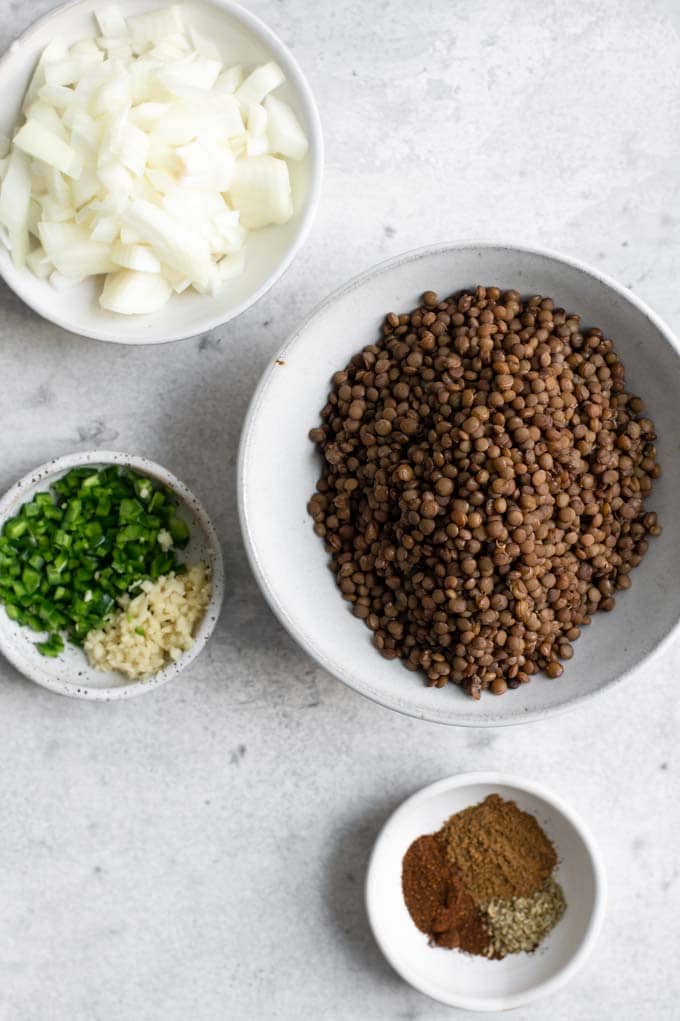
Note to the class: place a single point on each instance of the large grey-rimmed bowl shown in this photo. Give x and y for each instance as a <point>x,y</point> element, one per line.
<point>70,673</point>
<point>278,469</point>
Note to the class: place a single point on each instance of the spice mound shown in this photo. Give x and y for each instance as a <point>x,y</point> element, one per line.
<point>484,882</point>
<point>483,484</point>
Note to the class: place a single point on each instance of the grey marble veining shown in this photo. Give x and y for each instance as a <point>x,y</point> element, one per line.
<point>199,853</point>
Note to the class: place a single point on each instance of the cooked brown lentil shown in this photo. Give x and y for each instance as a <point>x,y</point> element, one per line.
<point>483,486</point>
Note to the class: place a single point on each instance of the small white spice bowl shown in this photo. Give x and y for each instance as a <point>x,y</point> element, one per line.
<point>475,983</point>
<point>70,673</point>
<point>243,39</point>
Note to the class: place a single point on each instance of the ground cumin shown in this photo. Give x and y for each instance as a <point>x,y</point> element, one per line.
<point>499,851</point>
<point>438,902</point>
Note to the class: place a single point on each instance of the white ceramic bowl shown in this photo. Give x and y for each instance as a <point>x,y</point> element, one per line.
<point>70,673</point>
<point>242,38</point>
<point>278,469</point>
<point>474,983</point>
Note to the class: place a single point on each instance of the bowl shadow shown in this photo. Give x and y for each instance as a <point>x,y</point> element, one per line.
<point>343,891</point>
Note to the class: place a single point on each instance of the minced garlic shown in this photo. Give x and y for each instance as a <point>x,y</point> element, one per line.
<point>153,627</point>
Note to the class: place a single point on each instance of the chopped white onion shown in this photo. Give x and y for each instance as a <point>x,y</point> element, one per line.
<point>131,293</point>
<point>39,264</point>
<point>286,137</point>
<point>259,84</point>
<point>230,79</point>
<point>73,252</point>
<point>261,191</point>
<point>137,257</point>
<point>142,157</point>
<point>111,21</point>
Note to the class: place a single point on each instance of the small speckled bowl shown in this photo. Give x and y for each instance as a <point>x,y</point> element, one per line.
<point>70,674</point>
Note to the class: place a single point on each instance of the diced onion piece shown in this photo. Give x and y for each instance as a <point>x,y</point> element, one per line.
<point>226,234</point>
<point>205,165</point>
<point>259,84</point>
<point>154,26</point>
<point>35,214</point>
<point>63,72</point>
<point>129,236</point>
<point>216,116</point>
<point>39,264</point>
<point>5,144</point>
<point>116,178</point>
<point>131,293</point>
<point>114,42</point>
<point>193,205</point>
<point>56,49</point>
<point>137,257</point>
<point>230,79</point>
<point>145,115</point>
<point>86,132</point>
<point>144,88</point>
<point>231,266</point>
<point>211,284</point>
<point>53,211</point>
<point>200,73</point>
<point>174,244</point>
<point>61,282</point>
<point>201,44</point>
<point>58,96</point>
<point>177,127</point>
<point>134,149</point>
<point>169,51</point>
<point>58,187</point>
<point>20,246</point>
<point>120,53</point>
<point>86,89</point>
<point>257,145</point>
<point>161,180</point>
<point>48,117</point>
<point>113,95</point>
<point>38,141</point>
<point>257,119</point>
<point>286,137</point>
<point>261,192</point>
<point>87,51</point>
<point>72,251</point>
<point>111,20</point>
<point>162,156</point>
<point>106,229</point>
<point>15,193</point>
<point>227,115</point>
<point>86,187</point>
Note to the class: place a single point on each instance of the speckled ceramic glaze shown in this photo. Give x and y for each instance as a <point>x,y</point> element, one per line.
<point>473,983</point>
<point>70,674</point>
<point>279,468</point>
<point>242,39</point>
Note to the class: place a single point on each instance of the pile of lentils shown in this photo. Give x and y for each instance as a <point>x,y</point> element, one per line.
<point>483,486</point>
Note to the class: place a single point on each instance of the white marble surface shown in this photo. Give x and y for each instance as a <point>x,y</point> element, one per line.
<point>199,853</point>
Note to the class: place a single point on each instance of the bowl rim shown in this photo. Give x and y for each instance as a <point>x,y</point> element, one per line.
<point>296,76</point>
<point>298,631</point>
<point>16,495</point>
<point>575,962</point>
